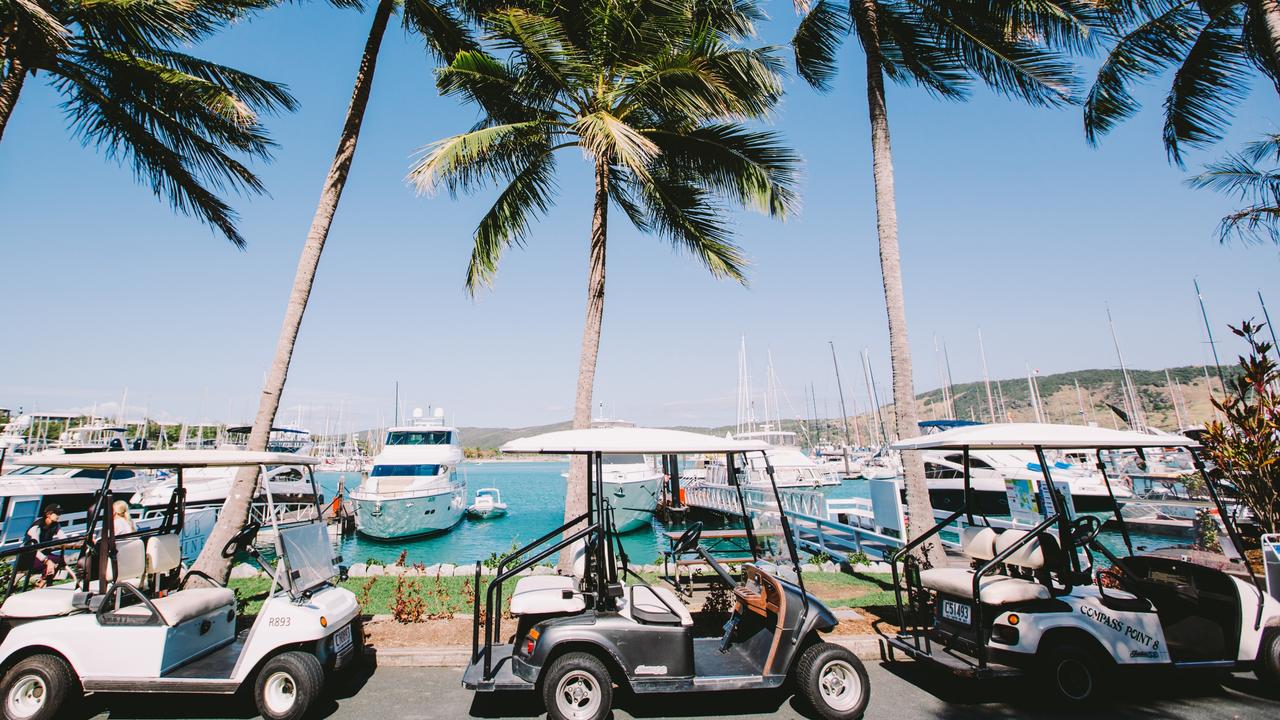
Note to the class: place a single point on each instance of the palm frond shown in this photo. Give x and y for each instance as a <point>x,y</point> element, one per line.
<point>507,221</point>
<point>1159,35</point>
<point>541,43</point>
<point>912,51</point>
<point>1237,176</point>
<point>36,28</point>
<point>442,29</point>
<point>751,167</point>
<point>687,216</point>
<point>1258,43</point>
<point>606,138</point>
<point>817,40</point>
<point>468,161</point>
<point>1213,77</point>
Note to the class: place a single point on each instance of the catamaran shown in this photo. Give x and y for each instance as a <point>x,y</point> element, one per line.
<point>412,489</point>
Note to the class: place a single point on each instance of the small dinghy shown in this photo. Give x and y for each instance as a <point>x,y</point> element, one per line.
<point>488,504</point>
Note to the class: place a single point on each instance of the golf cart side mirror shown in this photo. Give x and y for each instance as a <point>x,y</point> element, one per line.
<point>344,572</point>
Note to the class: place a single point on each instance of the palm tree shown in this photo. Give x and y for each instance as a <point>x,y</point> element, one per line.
<point>441,29</point>
<point>1241,176</point>
<point>1214,48</point>
<point>653,93</point>
<point>941,45</point>
<point>176,119</point>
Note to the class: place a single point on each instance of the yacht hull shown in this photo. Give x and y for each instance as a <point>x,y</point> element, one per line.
<point>990,502</point>
<point>633,502</point>
<point>405,516</point>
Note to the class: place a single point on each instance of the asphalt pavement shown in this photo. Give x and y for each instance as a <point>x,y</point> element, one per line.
<point>902,691</point>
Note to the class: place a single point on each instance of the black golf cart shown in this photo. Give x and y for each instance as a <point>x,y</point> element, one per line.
<point>578,635</point>
<point>1028,597</point>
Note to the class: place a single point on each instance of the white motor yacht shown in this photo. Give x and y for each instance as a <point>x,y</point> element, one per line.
<point>412,490</point>
<point>631,484</point>
<point>791,467</point>
<point>944,472</point>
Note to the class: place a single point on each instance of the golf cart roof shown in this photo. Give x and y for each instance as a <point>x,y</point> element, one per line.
<point>166,459</point>
<point>1026,436</point>
<point>629,440</point>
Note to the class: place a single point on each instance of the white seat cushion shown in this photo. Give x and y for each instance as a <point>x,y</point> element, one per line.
<point>645,597</point>
<point>192,603</point>
<point>164,553</point>
<point>978,543</point>
<point>1029,556</point>
<point>996,589</point>
<point>544,594</point>
<point>41,602</point>
<point>131,558</point>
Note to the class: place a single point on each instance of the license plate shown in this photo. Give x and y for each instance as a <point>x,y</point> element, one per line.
<point>956,612</point>
<point>342,640</point>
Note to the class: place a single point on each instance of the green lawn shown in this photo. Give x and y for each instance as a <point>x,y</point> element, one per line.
<point>454,594</point>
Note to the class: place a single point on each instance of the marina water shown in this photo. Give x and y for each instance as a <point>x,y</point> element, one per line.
<point>534,492</point>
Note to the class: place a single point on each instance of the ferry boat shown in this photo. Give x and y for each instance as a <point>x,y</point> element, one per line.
<point>412,489</point>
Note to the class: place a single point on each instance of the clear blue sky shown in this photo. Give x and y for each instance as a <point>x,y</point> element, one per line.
<point>1008,222</point>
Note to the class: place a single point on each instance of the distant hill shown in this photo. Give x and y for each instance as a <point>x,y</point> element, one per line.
<point>1058,391</point>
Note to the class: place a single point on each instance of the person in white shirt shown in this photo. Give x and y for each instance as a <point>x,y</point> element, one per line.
<point>121,523</point>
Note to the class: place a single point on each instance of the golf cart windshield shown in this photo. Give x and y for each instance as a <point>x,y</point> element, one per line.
<point>308,558</point>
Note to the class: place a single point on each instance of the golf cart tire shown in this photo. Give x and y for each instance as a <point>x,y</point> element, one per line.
<point>1075,674</point>
<point>288,685</point>
<point>1267,667</point>
<point>833,682</point>
<point>57,683</point>
<point>582,673</point>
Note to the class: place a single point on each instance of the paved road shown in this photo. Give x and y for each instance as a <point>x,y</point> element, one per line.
<point>905,691</point>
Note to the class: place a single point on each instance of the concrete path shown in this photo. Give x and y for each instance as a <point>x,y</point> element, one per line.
<point>905,691</point>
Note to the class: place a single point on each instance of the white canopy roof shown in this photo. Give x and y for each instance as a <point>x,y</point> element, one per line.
<point>1025,436</point>
<point>165,459</point>
<point>629,440</point>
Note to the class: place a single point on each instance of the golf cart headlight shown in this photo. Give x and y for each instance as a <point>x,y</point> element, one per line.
<point>324,621</point>
<point>531,641</point>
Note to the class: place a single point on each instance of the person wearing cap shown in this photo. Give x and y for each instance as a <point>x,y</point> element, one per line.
<point>46,528</point>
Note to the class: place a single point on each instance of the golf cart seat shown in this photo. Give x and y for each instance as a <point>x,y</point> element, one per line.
<point>192,603</point>
<point>131,561</point>
<point>982,545</point>
<point>43,602</point>
<point>645,605</point>
<point>545,594</point>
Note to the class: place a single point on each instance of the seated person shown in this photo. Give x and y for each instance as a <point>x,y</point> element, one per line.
<point>121,523</point>
<point>48,561</point>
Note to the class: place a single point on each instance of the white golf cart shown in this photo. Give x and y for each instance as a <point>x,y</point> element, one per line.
<point>1029,598</point>
<point>577,635</point>
<point>137,621</point>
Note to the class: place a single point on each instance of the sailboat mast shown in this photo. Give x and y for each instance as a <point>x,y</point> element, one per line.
<point>875,395</point>
<point>986,378</point>
<point>1177,414</point>
<point>1136,421</point>
<point>844,414</point>
<point>1217,364</point>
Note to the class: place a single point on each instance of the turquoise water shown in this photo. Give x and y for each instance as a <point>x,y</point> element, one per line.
<point>534,494</point>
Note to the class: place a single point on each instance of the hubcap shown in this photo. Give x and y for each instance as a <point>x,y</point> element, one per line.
<point>280,692</point>
<point>840,686</point>
<point>27,696</point>
<point>1074,679</point>
<point>578,695</point>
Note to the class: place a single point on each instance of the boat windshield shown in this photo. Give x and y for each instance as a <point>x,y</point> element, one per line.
<point>624,460</point>
<point>404,470</point>
<point>418,437</point>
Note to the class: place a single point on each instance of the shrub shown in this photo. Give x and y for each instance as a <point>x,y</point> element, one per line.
<point>1246,447</point>
<point>407,605</point>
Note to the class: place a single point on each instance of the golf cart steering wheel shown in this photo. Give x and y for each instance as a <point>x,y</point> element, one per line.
<point>242,539</point>
<point>688,539</point>
<point>1084,530</point>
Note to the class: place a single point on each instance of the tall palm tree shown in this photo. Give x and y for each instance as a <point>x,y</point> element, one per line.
<point>1214,47</point>
<point>1240,175</point>
<point>941,45</point>
<point>443,32</point>
<point>178,120</point>
<point>653,93</point>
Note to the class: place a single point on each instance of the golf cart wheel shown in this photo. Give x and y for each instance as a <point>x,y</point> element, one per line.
<point>288,685</point>
<point>833,682</point>
<point>1075,675</point>
<point>38,688</point>
<point>577,686</point>
<point>1268,666</point>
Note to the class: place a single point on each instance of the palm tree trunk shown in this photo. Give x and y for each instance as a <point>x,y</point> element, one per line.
<point>575,501</point>
<point>10,88</point>
<point>1270,12</point>
<point>236,510</point>
<point>919,508</point>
